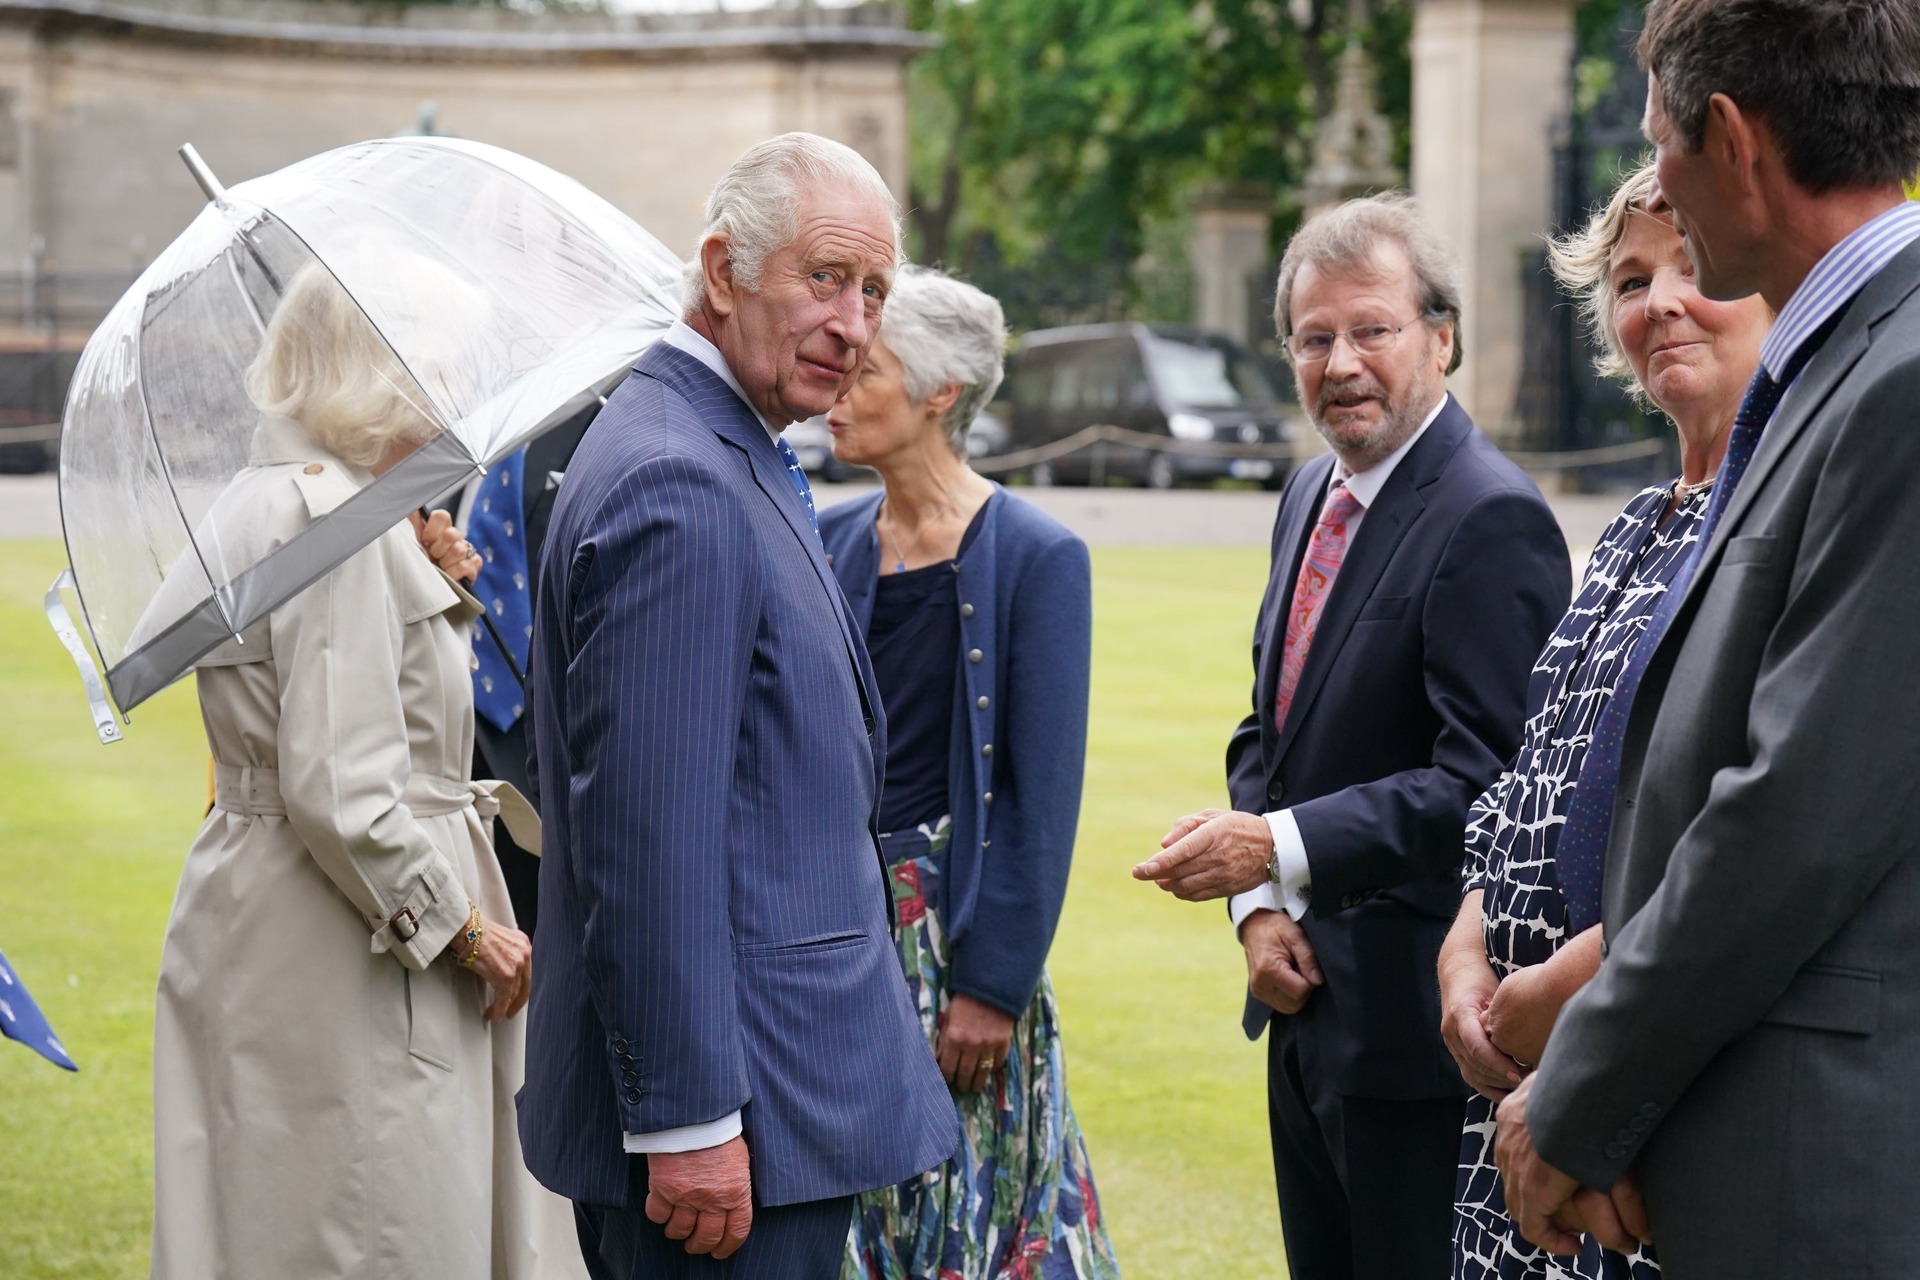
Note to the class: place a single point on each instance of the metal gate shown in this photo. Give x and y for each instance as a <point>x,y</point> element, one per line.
<point>1563,403</point>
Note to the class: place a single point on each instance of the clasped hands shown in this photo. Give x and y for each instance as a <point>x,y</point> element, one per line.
<point>1550,1208</point>
<point>1496,1030</point>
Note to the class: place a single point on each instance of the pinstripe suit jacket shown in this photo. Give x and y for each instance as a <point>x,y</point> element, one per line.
<point>715,922</point>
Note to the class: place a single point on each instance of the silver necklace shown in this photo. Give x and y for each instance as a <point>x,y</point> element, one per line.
<point>906,553</point>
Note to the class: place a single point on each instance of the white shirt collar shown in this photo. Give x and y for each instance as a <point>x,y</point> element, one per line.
<point>1366,485</point>
<point>684,337</point>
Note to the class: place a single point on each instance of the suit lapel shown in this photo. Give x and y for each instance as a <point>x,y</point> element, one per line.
<point>1297,515</point>
<point>735,423</point>
<point>1393,512</point>
<point>1822,377</point>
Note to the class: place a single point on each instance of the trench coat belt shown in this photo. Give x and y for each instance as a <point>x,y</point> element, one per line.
<point>255,789</point>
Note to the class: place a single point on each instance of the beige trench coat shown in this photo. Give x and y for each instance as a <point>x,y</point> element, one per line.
<point>328,1099</point>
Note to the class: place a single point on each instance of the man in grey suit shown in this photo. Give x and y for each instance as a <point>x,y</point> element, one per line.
<point>1749,1044</point>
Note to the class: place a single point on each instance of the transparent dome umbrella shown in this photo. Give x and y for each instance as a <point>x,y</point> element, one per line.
<point>398,313</point>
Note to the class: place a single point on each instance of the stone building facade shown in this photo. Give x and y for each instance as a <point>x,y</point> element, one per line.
<point>647,110</point>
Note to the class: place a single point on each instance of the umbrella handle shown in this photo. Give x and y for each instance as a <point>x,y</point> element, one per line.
<point>62,623</point>
<point>500,644</point>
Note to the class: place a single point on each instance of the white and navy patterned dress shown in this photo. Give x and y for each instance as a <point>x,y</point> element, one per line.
<point>1513,828</point>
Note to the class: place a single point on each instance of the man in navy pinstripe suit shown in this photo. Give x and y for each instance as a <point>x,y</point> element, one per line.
<point>721,1052</point>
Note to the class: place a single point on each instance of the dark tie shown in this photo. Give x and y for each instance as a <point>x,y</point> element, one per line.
<point>797,477</point>
<point>1581,855</point>
<point>494,529</point>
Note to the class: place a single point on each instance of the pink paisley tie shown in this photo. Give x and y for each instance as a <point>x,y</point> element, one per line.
<point>1325,550</point>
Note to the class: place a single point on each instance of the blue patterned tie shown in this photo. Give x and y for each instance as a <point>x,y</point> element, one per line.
<point>1581,854</point>
<point>797,477</point>
<point>494,529</point>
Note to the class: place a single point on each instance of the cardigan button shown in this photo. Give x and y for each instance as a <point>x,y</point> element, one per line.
<point>829,559</point>
<point>974,655</point>
<point>987,798</point>
<point>986,844</point>
<point>987,750</point>
<point>984,702</point>
<point>966,611</point>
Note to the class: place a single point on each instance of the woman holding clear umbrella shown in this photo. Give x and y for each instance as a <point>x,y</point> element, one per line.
<point>337,1039</point>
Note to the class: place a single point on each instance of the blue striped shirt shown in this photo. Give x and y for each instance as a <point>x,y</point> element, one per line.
<point>1836,278</point>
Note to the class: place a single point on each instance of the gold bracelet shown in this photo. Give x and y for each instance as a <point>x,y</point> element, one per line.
<point>475,930</point>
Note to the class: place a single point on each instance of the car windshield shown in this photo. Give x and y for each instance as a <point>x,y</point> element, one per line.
<point>1202,375</point>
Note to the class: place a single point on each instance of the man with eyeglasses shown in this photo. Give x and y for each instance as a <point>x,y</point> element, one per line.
<point>1416,574</point>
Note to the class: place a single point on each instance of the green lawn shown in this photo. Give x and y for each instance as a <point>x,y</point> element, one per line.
<point>1169,1092</point>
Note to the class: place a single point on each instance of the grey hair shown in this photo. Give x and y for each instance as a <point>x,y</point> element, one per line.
<point>1342,240</point>
<point>1582,261</point>
<point>946,333</point>
<point>756,204</point>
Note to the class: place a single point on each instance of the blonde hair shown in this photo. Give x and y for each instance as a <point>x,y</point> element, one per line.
<point>324,365</point>
<point>1582,262</point>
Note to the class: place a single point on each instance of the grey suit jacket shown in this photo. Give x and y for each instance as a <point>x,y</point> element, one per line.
<point>1752,1041</point>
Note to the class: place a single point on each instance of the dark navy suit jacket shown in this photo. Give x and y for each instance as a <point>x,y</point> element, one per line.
<point>1411,702</point>
<point>1019,746</point>
<point>715,926</point>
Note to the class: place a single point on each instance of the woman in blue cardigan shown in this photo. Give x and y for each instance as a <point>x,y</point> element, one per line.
<point>977,612</point>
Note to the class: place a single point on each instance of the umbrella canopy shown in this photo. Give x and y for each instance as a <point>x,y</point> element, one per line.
<point>413,308</point>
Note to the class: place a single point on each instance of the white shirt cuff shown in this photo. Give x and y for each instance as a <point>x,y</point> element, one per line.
<point>1294,891</point>
<point>693,1137</point>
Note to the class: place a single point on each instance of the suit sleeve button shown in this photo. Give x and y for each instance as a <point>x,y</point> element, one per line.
<point>626,1062</point>
<point>1615,1151</point>
<point>629,1079</point>
<point>633,1096</point>
<point>619,1045</point>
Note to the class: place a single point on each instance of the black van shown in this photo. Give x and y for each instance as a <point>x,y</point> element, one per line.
<point>1166,381</point>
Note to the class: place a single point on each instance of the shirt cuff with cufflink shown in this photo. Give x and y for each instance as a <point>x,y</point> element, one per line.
<point>1293,892</point>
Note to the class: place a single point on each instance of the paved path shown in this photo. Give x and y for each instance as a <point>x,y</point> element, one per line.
<point>1220,518</point>
<point>30,508</point>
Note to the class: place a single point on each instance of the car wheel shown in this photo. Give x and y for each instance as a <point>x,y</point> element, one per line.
<point>1161,473</point>
<point>1041,475</point>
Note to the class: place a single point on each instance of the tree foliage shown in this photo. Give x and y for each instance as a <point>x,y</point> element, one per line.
<point>1052,136</point>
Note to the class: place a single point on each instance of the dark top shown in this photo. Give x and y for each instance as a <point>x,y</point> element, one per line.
<point>1019,726</point>
<point>1409,706</point>
<point>914,639</point>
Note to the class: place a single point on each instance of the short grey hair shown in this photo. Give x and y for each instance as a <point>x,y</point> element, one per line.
<point>756,204</point>
<point>1342,241</point>
<point>946,333</point>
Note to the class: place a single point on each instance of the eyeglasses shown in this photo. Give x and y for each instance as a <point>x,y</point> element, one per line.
<point>1367,339</point>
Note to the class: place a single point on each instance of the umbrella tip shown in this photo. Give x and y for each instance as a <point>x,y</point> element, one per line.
<point>203,175</point>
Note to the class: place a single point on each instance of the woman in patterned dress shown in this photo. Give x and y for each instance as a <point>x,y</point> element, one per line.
<point>977,612</point>
<point>1524,943</point>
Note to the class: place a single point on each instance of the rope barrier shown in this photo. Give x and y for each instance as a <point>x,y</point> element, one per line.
<point>1087,437</point>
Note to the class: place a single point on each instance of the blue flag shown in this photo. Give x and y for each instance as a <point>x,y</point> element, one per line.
<point>21,1019</point>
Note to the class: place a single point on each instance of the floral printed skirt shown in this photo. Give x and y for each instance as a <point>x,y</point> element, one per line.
<point>1017,1201</point>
